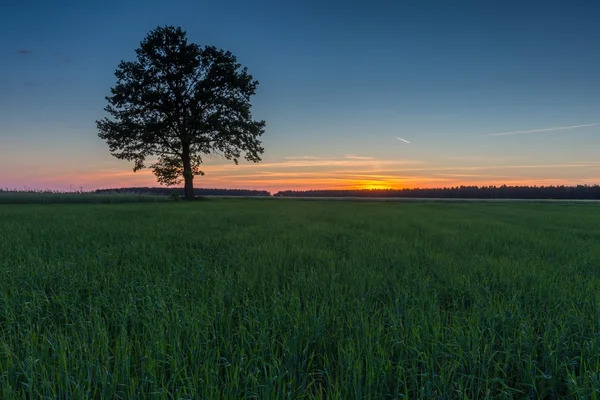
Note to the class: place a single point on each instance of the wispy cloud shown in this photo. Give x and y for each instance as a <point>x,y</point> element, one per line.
<point>557,128</point>
<point>501,167</point>
<point>479,158</point>
<point>313,163</point>
<point>302,158</point>
<point>353,157</point>
<point>325,166</point>
<point>24,52</point>
<point>404,140</point>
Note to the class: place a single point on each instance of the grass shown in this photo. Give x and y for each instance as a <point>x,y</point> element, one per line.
<point>50,197</point>
<point>229,299</point>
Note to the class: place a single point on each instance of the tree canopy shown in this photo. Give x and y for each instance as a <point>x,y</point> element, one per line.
<point>177,103</point>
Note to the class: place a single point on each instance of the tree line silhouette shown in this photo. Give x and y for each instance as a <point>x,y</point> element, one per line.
<point>197,191</point>
<point>579,192</point>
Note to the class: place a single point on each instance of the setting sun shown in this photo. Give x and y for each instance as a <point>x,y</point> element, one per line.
<point>373,185</point>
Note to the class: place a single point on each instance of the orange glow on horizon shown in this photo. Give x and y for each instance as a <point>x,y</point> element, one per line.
<point>93,181</point>
<point>320,174</point>
<point>369,185</point>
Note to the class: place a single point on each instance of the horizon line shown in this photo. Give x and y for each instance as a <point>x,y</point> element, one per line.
<point>162,188</point>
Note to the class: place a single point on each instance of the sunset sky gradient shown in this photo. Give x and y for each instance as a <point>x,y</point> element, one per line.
<point>485,92</point>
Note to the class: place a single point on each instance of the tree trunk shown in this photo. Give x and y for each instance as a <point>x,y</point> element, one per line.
<point>189,186</point>
<point>188,176</point>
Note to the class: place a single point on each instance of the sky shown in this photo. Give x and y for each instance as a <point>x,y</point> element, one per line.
<point>477,90</point>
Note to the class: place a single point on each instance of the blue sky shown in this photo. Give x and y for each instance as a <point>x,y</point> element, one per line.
<point>339,81</point>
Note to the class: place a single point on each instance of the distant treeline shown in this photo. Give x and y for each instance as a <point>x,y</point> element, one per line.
<point>581,192</point>
<point>197,191</point>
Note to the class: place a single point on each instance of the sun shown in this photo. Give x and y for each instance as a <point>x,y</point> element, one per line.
<point>376,187</point>
<point>372,186</point>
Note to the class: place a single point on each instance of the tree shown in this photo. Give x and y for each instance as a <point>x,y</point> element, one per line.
<point>177,103</point>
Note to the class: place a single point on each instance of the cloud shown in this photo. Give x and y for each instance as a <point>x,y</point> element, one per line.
<point>391,173</point>
<point>24,52</point>
<point>353,157</point>
<point>404,140</point>
<point>303,158</point>
<point>557,128</point>
<point>314,163</point>
<point>479,158</point>
<point>500,167</point>
<point>464,175</point>
<point>325,166</point>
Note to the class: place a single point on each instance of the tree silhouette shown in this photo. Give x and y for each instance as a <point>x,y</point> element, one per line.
<point>177,103</point>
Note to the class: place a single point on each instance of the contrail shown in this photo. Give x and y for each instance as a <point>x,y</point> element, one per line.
<point>405,141</point>
<point>558,128</point>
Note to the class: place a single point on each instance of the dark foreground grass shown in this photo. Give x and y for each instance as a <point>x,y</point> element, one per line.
<point>230,299</point>
<point>48,197</point>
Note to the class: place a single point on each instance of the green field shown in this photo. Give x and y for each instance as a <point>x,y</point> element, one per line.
<point>48,197</point>
<point>231,299</point>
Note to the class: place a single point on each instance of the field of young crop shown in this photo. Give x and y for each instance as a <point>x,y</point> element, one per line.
<point>231,299</point>
<point>48,197</point>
